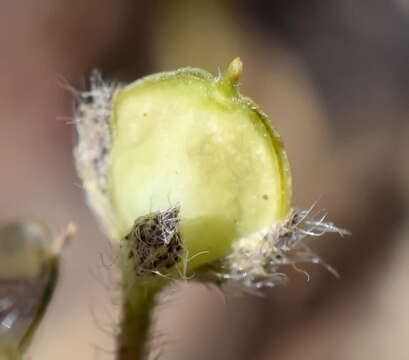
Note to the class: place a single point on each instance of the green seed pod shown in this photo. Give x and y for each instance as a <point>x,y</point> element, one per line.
<point>189,139</point>
<point>8,349</point>
<point>187,173</point>
<point>28,273</point>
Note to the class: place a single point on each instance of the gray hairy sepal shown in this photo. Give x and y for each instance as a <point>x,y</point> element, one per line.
<point>92,152</point>
<point>154,244</point>
<point>260,260</point>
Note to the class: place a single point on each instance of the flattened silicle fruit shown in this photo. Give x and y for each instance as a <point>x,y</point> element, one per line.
<point>188,139</point>
<point>184,171</point>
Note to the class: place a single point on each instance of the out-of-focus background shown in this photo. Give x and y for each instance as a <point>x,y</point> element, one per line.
<point>333,76</point>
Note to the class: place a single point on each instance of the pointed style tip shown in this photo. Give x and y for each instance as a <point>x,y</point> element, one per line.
<point>232,74</point>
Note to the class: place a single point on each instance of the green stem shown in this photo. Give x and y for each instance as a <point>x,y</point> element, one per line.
<point>137,308</point>
<point>139,293</point>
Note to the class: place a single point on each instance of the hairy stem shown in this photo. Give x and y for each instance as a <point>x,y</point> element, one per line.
<point>137,308</point>
<point>139,300</point>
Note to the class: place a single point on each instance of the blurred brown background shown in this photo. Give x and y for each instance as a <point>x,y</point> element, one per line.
<point>333,76</point>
